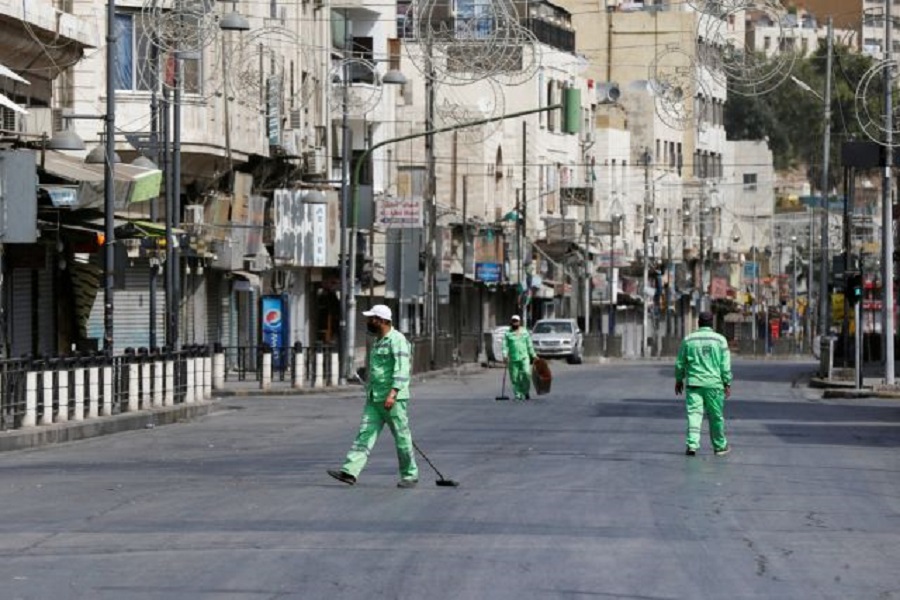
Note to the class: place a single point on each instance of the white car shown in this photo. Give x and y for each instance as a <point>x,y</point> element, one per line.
<point>558,338</point>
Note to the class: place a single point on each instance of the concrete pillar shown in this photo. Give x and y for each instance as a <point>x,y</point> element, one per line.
<point>62,411</point>
<point>207,377</point>
<point>47,397</point>
<point>199,378</point>
<point>265,380</point>
<point>93,392</point>
<point>218,380</point>
<point>169,393</point>
<point>189,381</point>
<point>146,383</point>
<point>133,387</point>
<point>78,383</point>
<point>157,382</point>
<point>107,391</point>
<point>320,369</point>
<point>335,368</point>
<point>31,396</point>
<point>299,373</point>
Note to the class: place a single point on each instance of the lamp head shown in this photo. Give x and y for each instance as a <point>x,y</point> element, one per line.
<point>65,140</point>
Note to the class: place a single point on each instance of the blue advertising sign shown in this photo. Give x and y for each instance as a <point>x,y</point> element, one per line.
<point>275,330</point>
<point>751,270</point>
<point>488,272</point>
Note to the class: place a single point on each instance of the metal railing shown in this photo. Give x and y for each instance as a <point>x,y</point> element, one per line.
<point>43,391</point>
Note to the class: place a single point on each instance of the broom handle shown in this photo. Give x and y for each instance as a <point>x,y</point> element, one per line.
<point>431,464</point>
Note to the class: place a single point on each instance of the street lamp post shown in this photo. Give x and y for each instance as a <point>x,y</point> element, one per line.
<point>615,217</point>
<point>794,289</point>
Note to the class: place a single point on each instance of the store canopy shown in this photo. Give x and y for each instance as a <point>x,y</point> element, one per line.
<point>133,184</point>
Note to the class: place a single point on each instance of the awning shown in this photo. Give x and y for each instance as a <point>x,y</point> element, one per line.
<point>4,101</point>
<point>133,184</point>
<point>250,280</point>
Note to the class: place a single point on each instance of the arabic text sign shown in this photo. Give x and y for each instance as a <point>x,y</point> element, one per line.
<point>400,213</point>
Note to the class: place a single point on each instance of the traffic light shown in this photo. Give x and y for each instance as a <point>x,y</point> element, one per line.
<point>854,289</point>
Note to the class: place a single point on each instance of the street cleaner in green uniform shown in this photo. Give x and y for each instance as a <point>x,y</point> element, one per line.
<point>703,366</point>
<point>387,396</point>
<point>519,353</point>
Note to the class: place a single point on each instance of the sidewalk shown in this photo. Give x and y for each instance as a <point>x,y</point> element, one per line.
<point>842,384</point>
<point>284,388</point>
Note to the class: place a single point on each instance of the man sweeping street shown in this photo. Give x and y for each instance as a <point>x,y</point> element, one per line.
<point>519,353</point>
<point>703,368</point>
<point>387,396</point>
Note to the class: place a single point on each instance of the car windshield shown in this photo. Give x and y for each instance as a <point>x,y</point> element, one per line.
<point>553,327</point>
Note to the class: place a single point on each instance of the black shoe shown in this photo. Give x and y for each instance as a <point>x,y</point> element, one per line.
<point>407,483</point>
<point>690,452</point>
<point>528,396</point>
<point>723,451</point>
<point>343,477</point>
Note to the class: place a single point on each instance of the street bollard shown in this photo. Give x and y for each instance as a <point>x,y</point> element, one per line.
<point>299,373</point>
<point>157,378</point>
<point>189,380</point>
<point>62,381</point>
<point>335,368</point>
<point>320,368</point>
<point>146,380</point>
<point>169,367</point>
<point>133,373</point>
<point>199,375</point>
<point>93,392</point>
<point>265,380</point>
<point>47,399</point>
<point>107,391</point>
<point>207,373</point>
<point>78,383</point>
<point>31,395</point>
<point>218,381</point>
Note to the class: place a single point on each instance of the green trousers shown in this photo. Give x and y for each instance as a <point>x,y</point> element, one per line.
<point>520,378</point>
<point>374,418</point>
<point>711,401</point>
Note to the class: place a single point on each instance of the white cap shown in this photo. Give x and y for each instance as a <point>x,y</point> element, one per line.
<point>379,310</point>
<point>516,318</point>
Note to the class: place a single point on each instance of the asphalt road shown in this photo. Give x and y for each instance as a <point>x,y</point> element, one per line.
<point>584,493</point>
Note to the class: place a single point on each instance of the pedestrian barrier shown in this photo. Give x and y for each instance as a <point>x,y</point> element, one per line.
<point>40,391</point>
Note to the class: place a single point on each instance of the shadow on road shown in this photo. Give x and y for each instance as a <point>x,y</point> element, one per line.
<point>793,422</point>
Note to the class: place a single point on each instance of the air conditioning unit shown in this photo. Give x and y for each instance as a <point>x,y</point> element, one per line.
<point>608,93</point>
<point>10,120</point>
<point>291,142</point>
<point>39,121</point>
<point>193,214</point>
<point>316,161</point>
<point>257,263</point>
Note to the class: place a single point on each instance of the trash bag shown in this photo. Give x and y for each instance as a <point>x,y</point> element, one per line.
<point>541,376</point>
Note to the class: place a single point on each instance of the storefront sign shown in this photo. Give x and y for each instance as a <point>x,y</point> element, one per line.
<point>488,272</point>
<point>394,213</point>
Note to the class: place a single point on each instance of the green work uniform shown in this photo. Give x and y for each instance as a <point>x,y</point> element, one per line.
<point>388,369</point>
<point>704,367</point>
<point>519,352</point>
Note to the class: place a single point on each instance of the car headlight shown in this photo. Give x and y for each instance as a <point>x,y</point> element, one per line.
<point>567,342</point>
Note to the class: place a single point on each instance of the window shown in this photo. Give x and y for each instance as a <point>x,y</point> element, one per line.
<point>135,55</point>
<point>749,182</point>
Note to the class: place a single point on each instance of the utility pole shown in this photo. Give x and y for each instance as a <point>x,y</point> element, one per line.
<point>348,287</point>
<point>887,217</point>
<point>824,301</point>
<point>648,219</point>
<point>527,289</point>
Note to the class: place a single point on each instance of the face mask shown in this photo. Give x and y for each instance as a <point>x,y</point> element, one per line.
<point>373,327</point>
<point>514,325</point>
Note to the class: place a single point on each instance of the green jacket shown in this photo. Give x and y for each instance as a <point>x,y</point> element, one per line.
<point>704,360</point>
<point>517,345</point>
<point>389,367</point>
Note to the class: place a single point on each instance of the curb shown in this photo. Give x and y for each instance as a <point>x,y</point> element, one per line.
<point>464,368</point>
<point>60,433</point>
